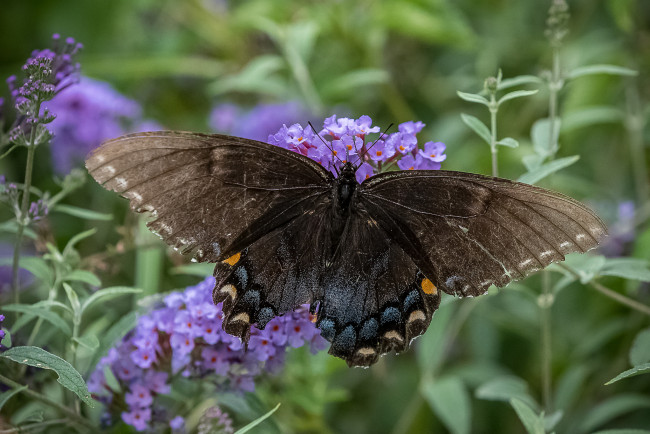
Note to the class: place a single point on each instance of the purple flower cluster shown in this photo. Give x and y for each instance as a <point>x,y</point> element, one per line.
<point>2,332</point>
<point>215,420</point>
<point>9,194</point>
<point>88,114</point>
<point>621,231</point>
<point>185,338</point>
<point>257,123</point>
<point>348,141</point>
<point>47,72</point>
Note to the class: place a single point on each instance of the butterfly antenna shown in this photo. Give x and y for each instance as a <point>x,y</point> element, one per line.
<point>324,142</point>
<point>378,139</point>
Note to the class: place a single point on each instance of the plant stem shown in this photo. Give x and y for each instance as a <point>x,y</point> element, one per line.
<point>22,218</point>
<point>24,428</point>
<point>547,355</point>
<point>634,125</point>
<point>44,399</point>
<point>554,86</point>
<point>611,293</point>
<point>494,108</point>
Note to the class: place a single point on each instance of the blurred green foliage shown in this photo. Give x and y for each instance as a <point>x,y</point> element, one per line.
<point>479,368</point>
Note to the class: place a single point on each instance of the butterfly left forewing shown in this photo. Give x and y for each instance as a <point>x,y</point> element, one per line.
<point>208,194</point>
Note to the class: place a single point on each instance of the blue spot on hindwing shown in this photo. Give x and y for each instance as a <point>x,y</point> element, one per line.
<point>412,298</point>
<point>390,315</point>
<point>327,329</point>
<point>345,341</point>
<point>369,330</point>
<point>264,316</point>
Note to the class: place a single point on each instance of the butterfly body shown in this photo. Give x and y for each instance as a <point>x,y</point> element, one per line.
<point>371,259</point>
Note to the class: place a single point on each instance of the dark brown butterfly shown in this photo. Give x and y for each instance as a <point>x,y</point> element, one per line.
<point>370,258</point>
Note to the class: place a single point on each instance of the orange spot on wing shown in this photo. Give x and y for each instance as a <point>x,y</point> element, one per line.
<point>233,259</point>
<point>428,287</point>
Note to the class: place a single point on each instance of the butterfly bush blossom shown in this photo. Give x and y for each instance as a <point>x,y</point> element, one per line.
<point>349,141</point>
<point>87,114</point>
<point>184,337</point>
<point>258,122</point>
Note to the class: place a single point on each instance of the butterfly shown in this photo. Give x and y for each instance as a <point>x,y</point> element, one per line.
<point>371,259</point>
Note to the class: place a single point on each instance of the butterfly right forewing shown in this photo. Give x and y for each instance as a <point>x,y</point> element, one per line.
<point>467,231</point>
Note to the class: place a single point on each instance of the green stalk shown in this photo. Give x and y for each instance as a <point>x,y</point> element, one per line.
<point>44,399</point>
<point>22,218</point>
<point>545,305</point>
<point>494,108</point>
<point>634,125</point>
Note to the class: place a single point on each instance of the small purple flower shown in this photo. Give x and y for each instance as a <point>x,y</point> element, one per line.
<point>177,423</point>
<point>2,333</point>
<point>381,151</point>
<point>87,114</point>
<point>139,397</point>
<point>214,420</point>
<point>411,128</point>
<point>262,346</point>
<point>138,418</point>
<point>215,360</point>
<point>259,122</point>
<point>364,172</point>
<point>37,210</point>
<point>434,151</point>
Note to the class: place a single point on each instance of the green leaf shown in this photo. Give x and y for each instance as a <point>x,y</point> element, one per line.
<point>4,397</point>
<point>473,97</point>
<point>623,431</point>
<point>6,340</point>
<point>518,81</point>
<point>449,400</point>
<point>82,213</point>
<point>533,423</point>
<point>35,416</point>
<point>548,168</point>
<point>551,420</point>
<point>301,36</point>
<point>601,69</point>
<point>640,351</point>
<point>113,291</point>
<point>344,84</point>
<point>47,315</point>
<point>12,227</point>
<point>431,346</point>
<point>90,342</point>
<point>637,370</point>
<point>586,266</point>
<point>35,265</point>
<point>110,379</point>
<point>38,357</point>
<point>257,76</point>
<point>479,127</point>
<point>533,161</point>
<point>83,276</point>
<point>539,135</point>
<point>73,298</point>
<point>114,334</point>
<point>612,408</point>
<point>74,240</point>
<point>516,94</point>
<point>589,116</point>
<point>628,268</point>
<point>201,269</point>
<point>506,388</point>
<point>509,142</point>
<point>257,421</point>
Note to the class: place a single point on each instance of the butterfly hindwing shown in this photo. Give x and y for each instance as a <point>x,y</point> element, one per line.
<point>473,231</point>
<point>210,195</point>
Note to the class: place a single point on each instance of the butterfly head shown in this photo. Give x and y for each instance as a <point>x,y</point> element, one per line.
<point>347,174</point>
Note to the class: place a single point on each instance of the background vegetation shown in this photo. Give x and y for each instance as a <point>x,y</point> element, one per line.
<point>535,356</point>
